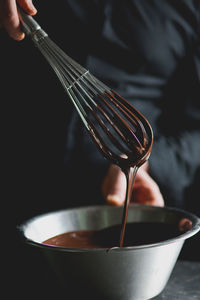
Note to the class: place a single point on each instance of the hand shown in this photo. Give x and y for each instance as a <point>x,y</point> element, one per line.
<point>145,189</point>
<point>9,18</point>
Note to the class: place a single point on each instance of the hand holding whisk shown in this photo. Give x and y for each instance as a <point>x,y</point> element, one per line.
<point>121,133</point>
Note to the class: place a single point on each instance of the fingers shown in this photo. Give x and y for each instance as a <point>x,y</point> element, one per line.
<point>114,186</point>
<point>28,6</point>
<point>9,17</point>
<point>148,194</point>
<point>145,189</point>
<point>184,225</point>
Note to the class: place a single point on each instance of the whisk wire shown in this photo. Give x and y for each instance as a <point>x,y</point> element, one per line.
<point>114,124</point>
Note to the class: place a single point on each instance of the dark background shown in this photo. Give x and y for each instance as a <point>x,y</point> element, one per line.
<point>32,159</point>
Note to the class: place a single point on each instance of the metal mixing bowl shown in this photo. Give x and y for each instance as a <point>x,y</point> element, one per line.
<point>139,272</point>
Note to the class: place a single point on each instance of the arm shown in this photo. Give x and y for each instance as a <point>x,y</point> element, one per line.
<point>175,157</point>
<point>174,163</point>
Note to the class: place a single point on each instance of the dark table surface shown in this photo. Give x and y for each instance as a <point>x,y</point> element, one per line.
<point>184,282</point>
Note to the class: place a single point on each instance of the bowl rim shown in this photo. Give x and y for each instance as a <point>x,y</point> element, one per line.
<point>196,221</point>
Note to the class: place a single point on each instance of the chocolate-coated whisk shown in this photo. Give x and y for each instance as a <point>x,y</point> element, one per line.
<point>121,133</point>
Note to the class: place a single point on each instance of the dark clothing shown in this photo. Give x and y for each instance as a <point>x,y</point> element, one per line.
<point>146,50</point>
<point>149,52</point>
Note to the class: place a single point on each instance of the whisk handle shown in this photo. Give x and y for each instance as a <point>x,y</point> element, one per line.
<point>29,25</point>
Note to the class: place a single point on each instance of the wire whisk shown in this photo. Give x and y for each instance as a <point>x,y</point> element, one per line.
<point>122,134</point>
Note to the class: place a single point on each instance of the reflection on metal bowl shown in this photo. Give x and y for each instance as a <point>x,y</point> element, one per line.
<point>135,272</point>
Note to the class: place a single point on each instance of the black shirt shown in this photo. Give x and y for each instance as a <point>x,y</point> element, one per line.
<point>149,52</point>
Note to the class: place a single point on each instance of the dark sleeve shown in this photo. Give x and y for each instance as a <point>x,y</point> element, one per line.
<point>174,162</point>
<point>175,159</point>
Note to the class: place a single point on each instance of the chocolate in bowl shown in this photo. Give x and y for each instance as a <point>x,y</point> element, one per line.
<point>137,234</point>
<point>110,273</point>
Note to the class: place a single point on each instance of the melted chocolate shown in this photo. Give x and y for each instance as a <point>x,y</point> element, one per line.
<point>136,152</point>
<point>136,234</point>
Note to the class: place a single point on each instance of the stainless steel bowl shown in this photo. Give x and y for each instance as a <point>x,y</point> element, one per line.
<point>139,272</point>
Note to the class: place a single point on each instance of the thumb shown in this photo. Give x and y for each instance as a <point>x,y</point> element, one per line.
<point>114,186</point>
